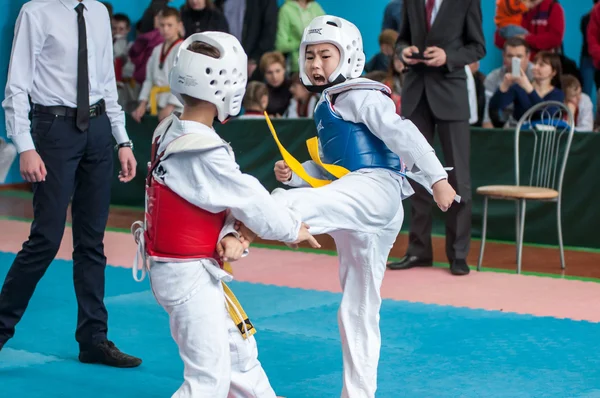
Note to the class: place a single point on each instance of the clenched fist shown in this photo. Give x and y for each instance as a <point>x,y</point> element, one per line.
<point>283,173</point>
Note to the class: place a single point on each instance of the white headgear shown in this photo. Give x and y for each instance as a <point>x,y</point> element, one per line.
<point>345,36</point>
<point>220,81</point>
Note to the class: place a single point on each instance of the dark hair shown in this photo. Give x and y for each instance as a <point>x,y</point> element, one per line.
<point>122,18</point>
<point>170,12</point>
<point>204,49</point>
<point>516,42</point>
<point>553,60</point>
<point>209,5</point>
<point>569,81</point>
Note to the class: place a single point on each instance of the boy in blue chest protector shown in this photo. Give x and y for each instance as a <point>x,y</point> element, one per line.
<point>359,130</point>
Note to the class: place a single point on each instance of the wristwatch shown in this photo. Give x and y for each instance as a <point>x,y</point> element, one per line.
<point>126,144</point>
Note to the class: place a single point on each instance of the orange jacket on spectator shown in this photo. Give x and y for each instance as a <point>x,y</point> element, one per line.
<point>593,36</point>
<point>546,26</point>
<point>509,12</point>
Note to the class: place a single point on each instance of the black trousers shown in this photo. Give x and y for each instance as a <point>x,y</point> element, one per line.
<point>455,137</point>
<point>80,167</point>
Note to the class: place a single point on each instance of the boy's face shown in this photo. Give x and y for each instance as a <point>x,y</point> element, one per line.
<point>321,61</point>
<point>169,28</point>
<point>120,28</point>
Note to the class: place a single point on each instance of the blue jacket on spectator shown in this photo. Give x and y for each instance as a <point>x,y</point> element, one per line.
<point>392,16</point>
<point>521,100</point>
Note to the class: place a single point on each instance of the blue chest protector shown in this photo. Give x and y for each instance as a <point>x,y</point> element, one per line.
<point>347,144</point>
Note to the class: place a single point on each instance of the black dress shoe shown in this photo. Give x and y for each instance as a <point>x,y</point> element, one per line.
<point>459,267</point>
<point>107,354</point>
<point>407,262</point>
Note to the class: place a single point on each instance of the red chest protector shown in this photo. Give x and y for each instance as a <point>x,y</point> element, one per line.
<point>175,228</point>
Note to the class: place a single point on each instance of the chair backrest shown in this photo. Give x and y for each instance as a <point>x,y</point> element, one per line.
<point>552,125</point>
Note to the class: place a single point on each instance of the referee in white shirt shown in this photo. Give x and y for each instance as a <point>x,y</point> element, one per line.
<point>62,58</point>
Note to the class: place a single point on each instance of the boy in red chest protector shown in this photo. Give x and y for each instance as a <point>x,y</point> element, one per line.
<point>194,192</point>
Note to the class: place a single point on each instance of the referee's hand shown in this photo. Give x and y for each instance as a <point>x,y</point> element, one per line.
<point>32,166</point>
<point>128,164</point>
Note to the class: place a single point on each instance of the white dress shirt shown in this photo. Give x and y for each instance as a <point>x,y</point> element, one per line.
<point>44,64</point>
<point>436,8</point>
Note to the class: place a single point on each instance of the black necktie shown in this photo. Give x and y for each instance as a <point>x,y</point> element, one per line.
<point>83,92</point>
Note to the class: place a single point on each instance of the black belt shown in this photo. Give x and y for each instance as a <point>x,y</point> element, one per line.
<point>99,108</point>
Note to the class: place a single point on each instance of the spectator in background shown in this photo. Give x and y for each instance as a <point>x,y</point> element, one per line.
<point>381,61</point>
<point>294,16</point>
<point>509,16</point>
<point>579,103</point>
<point>515,47</point>
<point>303,102</point>
<point>159,67</point>
<point>202,16</point>
<point>546,86</point>
<point>142,48</point>
<point>546,26</point>
<point>8,154</point>
<point>478,81</point>
<point>392,16</point>
<point>585,62</point>
<point>255,25</point>
<point>255,101</point>
<point>124,68</point>
<point>395,75</point>
<point>147,23</point>
<point>109,7</point>
<point>593,40</point>
<point>382,77</point>
<point>272,66</point>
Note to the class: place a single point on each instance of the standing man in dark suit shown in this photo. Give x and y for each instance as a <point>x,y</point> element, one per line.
<point>62,58</point>
<point>437,39</point>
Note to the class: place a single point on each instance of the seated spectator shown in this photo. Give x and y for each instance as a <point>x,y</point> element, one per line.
<point>255,101</point>
<point>514,47</point>
<point>478,80</point>
<point>509,15</point>
<point>272,66</point>
<point>254,23</point>
<point>294,16</point>
<point>392,16</point>
<point>142,48</point>
<point>524,94</point>
<point>382,77</point>
<point>579,103</point>
<point>395,76</point>
<point>381,60</point>
<point>159,68</point>
<point>201,16</point>
<point>545,24</point>
<point>303,102</point>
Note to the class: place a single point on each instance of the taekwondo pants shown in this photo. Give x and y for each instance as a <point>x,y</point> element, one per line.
<point>218,362</point>
<point>363,213</point>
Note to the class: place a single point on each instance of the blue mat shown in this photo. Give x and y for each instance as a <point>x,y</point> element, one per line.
<point>428,350</point>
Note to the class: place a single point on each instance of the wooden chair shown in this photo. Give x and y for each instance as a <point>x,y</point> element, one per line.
<point>551,124</point>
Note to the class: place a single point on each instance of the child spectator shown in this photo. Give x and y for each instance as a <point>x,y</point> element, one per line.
<point>381,61</point>
<point>579,103</point>
<point>159,66</point>
<point>255,101</point>
<point>303,102</point>
<point>509,15</point>
<point>142,48</point>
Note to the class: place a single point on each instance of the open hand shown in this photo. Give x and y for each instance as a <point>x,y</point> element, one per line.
<point>230,249</point>
<point>443,194</point>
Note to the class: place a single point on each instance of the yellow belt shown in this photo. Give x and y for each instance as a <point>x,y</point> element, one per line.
<point>154,98</point>
<point>313,150</point>
<point>238,314</point>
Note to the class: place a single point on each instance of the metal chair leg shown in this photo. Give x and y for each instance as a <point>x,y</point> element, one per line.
<point>517,232</point>
<point>521,234</point>
<point>560,238</point>
<point>483,232</point>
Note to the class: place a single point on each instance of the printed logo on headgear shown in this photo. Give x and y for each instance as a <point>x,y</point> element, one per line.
<point>315,31</point>
<point>187,81</point>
